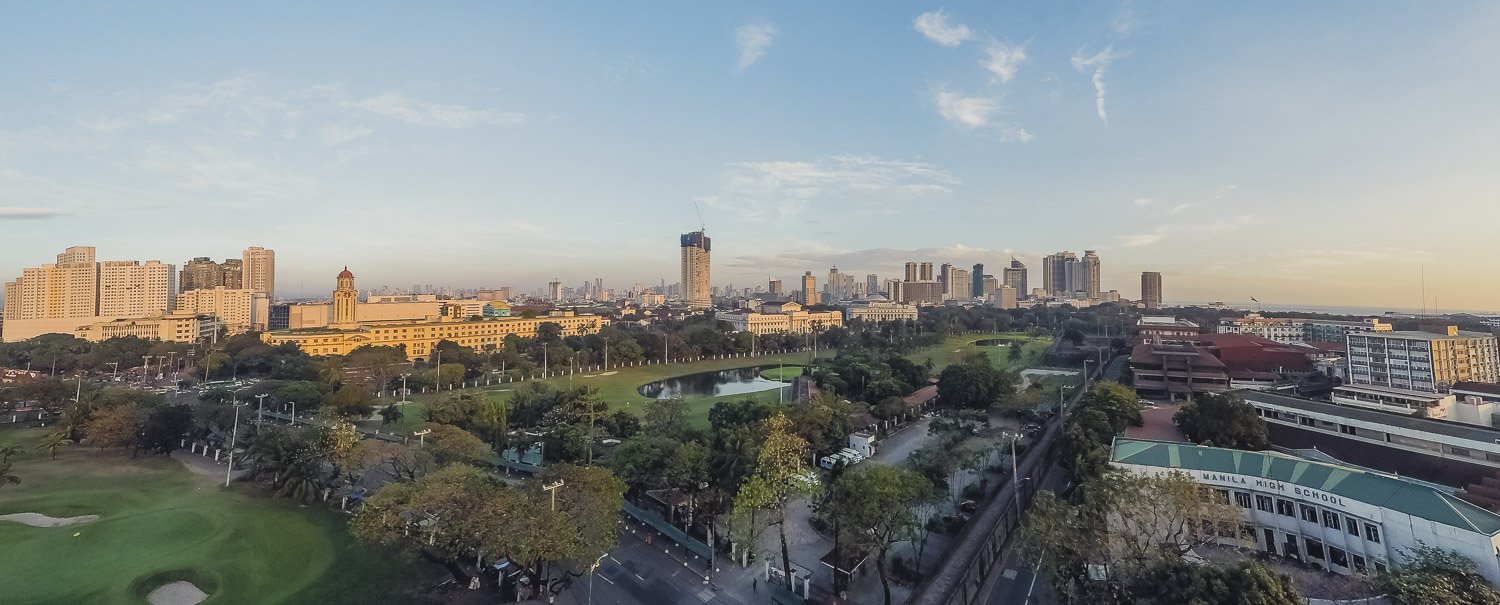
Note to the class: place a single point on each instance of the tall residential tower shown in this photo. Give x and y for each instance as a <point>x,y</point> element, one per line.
<point>696,288</point>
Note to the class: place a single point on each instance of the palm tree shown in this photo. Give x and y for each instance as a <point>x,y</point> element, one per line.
<point>6,453</point>
<point>52,441</point>
<point>391,414</point>
<point>331,372</point>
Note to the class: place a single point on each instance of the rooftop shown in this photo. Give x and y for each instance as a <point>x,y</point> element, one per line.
<point>1373,488</point>
<point>1451,430</point>
<point>1487,388</point>
<point>1421,335</point>
<point>1163,320</point>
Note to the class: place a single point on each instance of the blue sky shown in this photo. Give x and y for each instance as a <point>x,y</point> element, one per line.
<point>1299,154</point>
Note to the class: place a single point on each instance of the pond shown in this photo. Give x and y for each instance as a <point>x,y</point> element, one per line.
<point>710,384</point>
<point>997,342</point>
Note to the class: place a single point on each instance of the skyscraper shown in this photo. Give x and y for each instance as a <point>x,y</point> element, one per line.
<point>130,288</point>
<point>696,289</point>
<point>1091,274</point>
<point>1015,277</point>
<point>944,276</point>
<point>809,289</point>
<point>1151,289</point>
<point>258,270</point>
<point>926,272</point>
<point>773,287</point>
<point>911,272</point>
<point>59,297</point>
<point>834,285</point>
<point>554,290</point>
<point>978,280</point>
<point>1060,274</point>
<point>872,284</point>
<point>960,286</point>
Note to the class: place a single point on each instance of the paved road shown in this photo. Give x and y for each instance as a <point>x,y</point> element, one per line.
<point>1019,581</point>
<point>640,573</point>
<point>896,448</point>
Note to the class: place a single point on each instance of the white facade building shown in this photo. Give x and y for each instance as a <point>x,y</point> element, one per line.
<point>878,309</point>
<point>1422,361</point>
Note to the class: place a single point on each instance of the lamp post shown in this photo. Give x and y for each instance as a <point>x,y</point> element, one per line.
<point>552,489</point>
<point>591,576</point>
<point>114,369</point>
<point>260,407</point>
<point>232,438</point>
<point>403,387</point>
<point>439,379</point>
<point>606,368</point>
<point>422,438</point>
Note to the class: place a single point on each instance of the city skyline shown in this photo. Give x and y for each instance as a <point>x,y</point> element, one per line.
<point>1194,143</point>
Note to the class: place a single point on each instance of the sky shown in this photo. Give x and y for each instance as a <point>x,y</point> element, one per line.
<point>1299,153</point>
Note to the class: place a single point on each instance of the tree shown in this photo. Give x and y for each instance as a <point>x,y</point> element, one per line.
<point>878,503</point>
<point>351,400</point>
<point>780,475</point>
<point>164,428</point>
<point>391,414</point>
<point>1177,581</point>
<point>7,452</point>
<point>687,471</point>
<point>115,426</point>
<point>641,461</point>
<point>1223,420</point>
<point>1118,403</point>
<point>974,383</point>
<point>592,497</point>
<point>450,444</point>
<point>1432,575</point>
<point>450,374</point>
<point>52,441</point>
<point>667,417</point>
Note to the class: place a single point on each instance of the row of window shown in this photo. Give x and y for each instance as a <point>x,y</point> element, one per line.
<point>1308,513</point>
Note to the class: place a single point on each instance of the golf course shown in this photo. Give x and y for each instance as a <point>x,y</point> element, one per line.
<point>159,523</point>
<point>618,386</point>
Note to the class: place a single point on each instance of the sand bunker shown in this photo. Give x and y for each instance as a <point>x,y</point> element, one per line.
<point>40,520</point>
<point>609,373</point>
<point>176,593</point>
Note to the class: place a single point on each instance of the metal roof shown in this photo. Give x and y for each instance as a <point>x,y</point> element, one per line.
<point>1453,430</point>
<point>1372,488</point>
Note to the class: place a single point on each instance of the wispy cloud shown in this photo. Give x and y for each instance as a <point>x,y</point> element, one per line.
<point>398,106</point>
<point>935,26</point>
<point>974,113</point>
<point>1141,202</point>
<point>885,262</point>
<point>1098,63</point>
<point>757,190</point>
<point>1162,231</point>
<point>12,213</point>
<point>337,134</point>
<point>1003,61</point>
<point>753,40</point>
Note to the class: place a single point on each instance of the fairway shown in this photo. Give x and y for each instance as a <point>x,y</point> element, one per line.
<point>954,348</point>
<point>159,522</point>
<point>784,373</point>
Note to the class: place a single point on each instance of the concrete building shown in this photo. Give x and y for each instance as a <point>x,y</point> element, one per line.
<point>134,289</point>
<point>921,293</point>
<point>1428,361</point>
<point>1015,277</point>
<point>911,272</point>
<point>1338,518</point>
<point>808,296</point>
<point>240,310</point>
<point>259,270</point>
<point>78,290</point>
<point>345,301</point>
<point>781,318</point>
<point>202,273</point>
<point>1151,290</point>
<point>696,289</point>
<point>878,308</point>
<point>924,272</point>
<point>1061,274</point>
<point>872,284</point>
<point>773,288</point>
<point>1006,298</point>
<point>184,328</point>
<point>1090,275</point>
<point>1153,328</point>
<point>1294,330</point>
<point>350,330</point>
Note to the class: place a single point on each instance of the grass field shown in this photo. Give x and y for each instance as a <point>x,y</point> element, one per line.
<point>157,518</point>
<point>784,374</point>
<point>618,387</point>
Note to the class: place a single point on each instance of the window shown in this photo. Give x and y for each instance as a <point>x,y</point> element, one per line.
<point>1314,548</point>
<point>1285,508</point>
<point>1309,514</point>
<point>1331,519</point>
<point>1337,556</point>
<point>1351,525</point>
<point>1372,533</point>
<point>1264,503</point>
<point>1242,499</point>
<point>1346,429</point>
<point>1359,564</point>
<point>1305,421</point>
<point>1221,495</point>
<point>1379,567</point>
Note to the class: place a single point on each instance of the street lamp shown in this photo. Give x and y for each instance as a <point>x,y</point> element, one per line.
<point>552,489</point>
<point>591,576</point>
<point>260,406</point>
<point>606,368</point>
<point>232,438</point>
<point>403,387</point>
<point>422,437</point>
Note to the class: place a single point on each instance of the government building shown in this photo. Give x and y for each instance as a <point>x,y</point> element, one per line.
<point>346,332</point>
<point>1342,519</point>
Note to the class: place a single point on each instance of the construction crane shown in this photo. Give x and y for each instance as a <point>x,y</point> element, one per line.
<point>701,226</point>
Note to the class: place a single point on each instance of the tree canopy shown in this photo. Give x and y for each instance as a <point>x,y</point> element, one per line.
<point>1222,420</point>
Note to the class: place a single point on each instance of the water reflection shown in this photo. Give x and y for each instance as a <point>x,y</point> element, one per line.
<point>717,384</point>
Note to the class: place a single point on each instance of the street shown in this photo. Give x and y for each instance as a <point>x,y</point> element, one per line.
<point>641,573</point>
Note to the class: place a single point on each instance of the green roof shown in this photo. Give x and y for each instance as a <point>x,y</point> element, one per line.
<point>1377,489</point>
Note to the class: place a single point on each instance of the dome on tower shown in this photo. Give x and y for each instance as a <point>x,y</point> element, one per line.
<point>345,273</point>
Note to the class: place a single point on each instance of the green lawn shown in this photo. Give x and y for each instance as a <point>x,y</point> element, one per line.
<point>156,516</point>
<point>784,374</point>
<point>955,348</point>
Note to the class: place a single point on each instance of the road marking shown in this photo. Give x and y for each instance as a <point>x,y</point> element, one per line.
<point>639,577</point>
<point>617,561</point>
<point>606,579</point>
<point>1010,574</point>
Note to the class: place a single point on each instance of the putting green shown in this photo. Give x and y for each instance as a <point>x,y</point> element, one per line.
<point>158,523</point>
<point>784,374</point>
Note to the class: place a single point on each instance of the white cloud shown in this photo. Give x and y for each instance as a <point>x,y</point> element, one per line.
<point>1004,60</point>
<point>12,213</point>
<point>1141,202</point>
<point>935,26</point>
<point>397,106</point>
<point>1161,232</point>
<point>786,188</point>
<point>978,113</point>
<point>753,40</point>
<point>971,112</point>
<point>335,134</point>
<point>1099,62</point>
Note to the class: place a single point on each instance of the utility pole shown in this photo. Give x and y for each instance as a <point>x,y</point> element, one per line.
<point>422,437</point>
<point>606,368</point>
<point>232,437</point>
<point>260,407</point>
<point>552,489</point>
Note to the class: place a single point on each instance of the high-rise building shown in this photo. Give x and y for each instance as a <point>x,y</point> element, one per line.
<point>834,285</point>
<point>130,288</point>
<point>345,301</point>
<point>1151,290</point>
<point>773,287</point>
<point>959,285</point>
<point>1428,361</point>
<point>988,285</point>
<point>1015,276</point>
<point>809,289</point>
<point>554,290</point>
<point>1061,275</point>
<point>978,280</point>
<point>872,284</point>
<point>945,272</point>
<point>239,310</point>
<point>258,270</point>
<point>696,289</point>
<point>911,272</point>
<point>202,273</point>
<point>1090,275</point>
<point>926,272</point>
<point>1005,297</point>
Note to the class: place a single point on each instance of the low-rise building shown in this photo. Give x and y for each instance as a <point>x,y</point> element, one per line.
<point>1430,360</point>
<point>1341,519</point>
<point>1154,328</point>
<point>788,317</point>
<point>185,328</point>
<point>1295,330</point>
<point>878,308</point>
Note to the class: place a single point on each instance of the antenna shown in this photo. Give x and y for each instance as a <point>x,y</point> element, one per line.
<point>701,225</point>
<point>1424,291</point>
